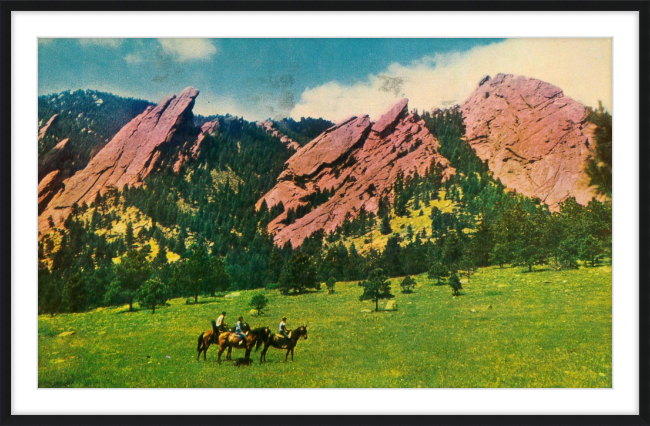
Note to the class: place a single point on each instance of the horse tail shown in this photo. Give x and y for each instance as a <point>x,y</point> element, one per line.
<point>198,348</point>
<point>258,343</point>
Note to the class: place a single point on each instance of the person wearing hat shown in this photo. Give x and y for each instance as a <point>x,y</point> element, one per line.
<point>283,330</point>
<point>221,326</point>
<point>239,330</point>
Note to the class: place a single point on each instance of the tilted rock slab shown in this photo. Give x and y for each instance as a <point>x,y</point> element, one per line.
<point>54,158</point>
<point>359,161</point>
<point>128,158</point>
<point>535,140</point>
<point>192,151</point>
<point>269,127</point>
<point>43,131</point>
<point>47,188</point>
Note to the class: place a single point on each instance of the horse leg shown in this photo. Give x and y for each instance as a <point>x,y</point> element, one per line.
<point>286,356</point>
<point>199,347</point>
<point>205,350</point>
<point>221,349</point>
<point>292,354</point>
<point>229,354</point>
<point>248,352</point>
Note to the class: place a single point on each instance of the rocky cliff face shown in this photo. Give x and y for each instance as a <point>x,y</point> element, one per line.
<point>356,161</point>
<point>191,150</point>
<point>47,188</point>
<point>43,130</point>
<point>535,140</point>
<point>54,159</point>
<point>269,127</point>
<point>136,150</point>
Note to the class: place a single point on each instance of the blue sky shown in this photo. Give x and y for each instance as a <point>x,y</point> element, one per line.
<point>262,78</point>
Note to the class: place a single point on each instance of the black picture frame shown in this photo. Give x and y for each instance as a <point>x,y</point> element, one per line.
<point>7,7</point>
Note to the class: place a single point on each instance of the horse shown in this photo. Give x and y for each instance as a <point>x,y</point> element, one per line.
<point>276,341</point>
<point>208,338</point>
<point>230,340</point>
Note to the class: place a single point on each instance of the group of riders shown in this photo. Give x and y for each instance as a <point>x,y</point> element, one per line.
<point>241,332</point>
<point>243,337</point>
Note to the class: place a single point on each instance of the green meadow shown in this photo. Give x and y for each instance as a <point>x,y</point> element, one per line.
<point>509,328</point>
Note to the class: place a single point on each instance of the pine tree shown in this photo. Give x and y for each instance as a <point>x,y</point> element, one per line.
<point>454,283</point>
<point>599,168</point>
<point>385,225</point>
<point>130,274</point>
<point>376,287</point>
<point>153,293</point>
<point>298,274</point>
<point>438,271</point>
<point>128,237</point>
<point>259,302</point>
<point>330,283</point>
<point>161,256</point>
<point>407,284</point>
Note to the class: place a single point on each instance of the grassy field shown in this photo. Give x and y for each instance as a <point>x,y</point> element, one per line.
<point>508,329</point>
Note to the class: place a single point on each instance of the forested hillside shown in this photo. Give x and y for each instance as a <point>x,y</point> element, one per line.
<point>303,131</point>
<point>197,232</point>
<point>89,118</point>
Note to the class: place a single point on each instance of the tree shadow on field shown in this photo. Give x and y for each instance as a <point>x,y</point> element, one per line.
<point>535,270</point>
<point>304,292</point>
<point>127,311</point>
<point>201,302</point>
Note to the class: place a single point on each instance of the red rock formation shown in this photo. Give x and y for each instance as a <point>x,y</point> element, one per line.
<point>535,139</point>
<point>47,187</point>
<point>43,131</point>
<point>356,160</point>
<point>128,158</point>
<point>269,127</point>
<point>193,150</point>
<point>53,159</point>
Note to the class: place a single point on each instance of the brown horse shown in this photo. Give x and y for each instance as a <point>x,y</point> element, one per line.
<point>277,342</point>
<point>208,338</point>
<point>254,338</point>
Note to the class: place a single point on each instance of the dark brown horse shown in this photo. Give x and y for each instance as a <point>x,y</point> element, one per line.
<point>208,338</point>
<point>277,342</point>
<point>254,338</point>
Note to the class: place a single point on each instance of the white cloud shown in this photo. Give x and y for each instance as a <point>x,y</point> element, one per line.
<point>582,68</point>
<point>113,43</point>
<point>188,49</point>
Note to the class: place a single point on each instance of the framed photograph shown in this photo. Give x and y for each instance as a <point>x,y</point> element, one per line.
<point>330,212</point>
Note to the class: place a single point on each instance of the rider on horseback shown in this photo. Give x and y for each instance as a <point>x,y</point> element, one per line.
<point>283,330</point>
<point>221,326</point>
<point>239,330</point>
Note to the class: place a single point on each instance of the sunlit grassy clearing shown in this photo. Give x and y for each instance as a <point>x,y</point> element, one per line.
<point>399,225</point>
<point>540,329</point>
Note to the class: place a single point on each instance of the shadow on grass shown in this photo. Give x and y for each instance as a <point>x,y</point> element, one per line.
<point>302,293</point>
<point>130,311</point>
<point>536,270</point>
<point>201,302</point>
